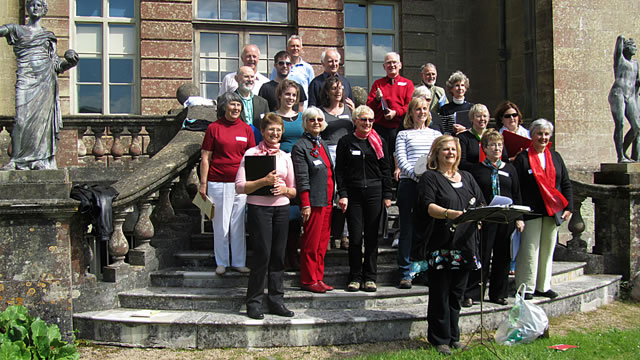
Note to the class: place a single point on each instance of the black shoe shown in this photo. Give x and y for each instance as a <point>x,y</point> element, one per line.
<point>528,296</point>
<point>281,310</point>
<point>467,302</point>
<point>255,313</point>
<point>500,301</point>
<point>549,294</point>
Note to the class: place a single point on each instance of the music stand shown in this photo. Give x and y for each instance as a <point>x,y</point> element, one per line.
<point>501,214</point>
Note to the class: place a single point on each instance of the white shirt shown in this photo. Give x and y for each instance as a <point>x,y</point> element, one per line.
<point>412,144</point>
<point>229,83</point>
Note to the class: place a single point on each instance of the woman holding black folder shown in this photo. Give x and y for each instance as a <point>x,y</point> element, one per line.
<point>268,220</point>
<point>314,183</point>
<point>546,189</point>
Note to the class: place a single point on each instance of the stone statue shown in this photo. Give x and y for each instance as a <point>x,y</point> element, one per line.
<point>38,118</point>
<point>623,98</point>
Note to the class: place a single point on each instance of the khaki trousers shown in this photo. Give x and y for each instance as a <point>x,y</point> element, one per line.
<point>535,256</point>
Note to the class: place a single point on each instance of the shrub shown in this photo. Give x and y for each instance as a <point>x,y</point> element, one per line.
<point>23,337</point>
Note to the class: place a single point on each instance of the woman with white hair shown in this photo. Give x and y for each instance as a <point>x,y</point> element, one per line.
<point>364,184</point>
<point>314,182</point>
<point>458,85</point>
<point>470,139</point>
<point>546,189</point>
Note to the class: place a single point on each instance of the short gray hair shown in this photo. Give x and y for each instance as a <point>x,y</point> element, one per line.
<point>541,123</point>
<point>310,112</point>
<point>244,49</point>
<point>455,78</point>
<point>294,37</point>
<point>361,110</point>
<point>224,99</point>
<point>324,53</point>
<point>426,66</point>
<point>477,108</point>
<point>421,91</point>
<point>392,53</point>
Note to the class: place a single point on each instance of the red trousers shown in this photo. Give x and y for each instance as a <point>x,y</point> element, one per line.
<point>315,240</point>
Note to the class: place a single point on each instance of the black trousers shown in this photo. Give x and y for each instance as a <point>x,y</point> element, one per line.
<point>446,288</point>
<point>496,240</point>
<point>363,215</point>
<point>268,227</point>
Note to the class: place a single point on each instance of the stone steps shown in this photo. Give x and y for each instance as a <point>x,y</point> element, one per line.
<point>313,324</point>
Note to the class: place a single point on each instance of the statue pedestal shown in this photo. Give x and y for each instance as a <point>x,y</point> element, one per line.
<point>35,249</point>
<point>617,224</point>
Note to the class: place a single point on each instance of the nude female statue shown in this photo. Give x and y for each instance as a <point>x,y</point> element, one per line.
<point>38,118</point>
<point>623,98</point>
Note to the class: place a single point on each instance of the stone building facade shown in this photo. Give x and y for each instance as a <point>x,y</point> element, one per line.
<point>552,57</point>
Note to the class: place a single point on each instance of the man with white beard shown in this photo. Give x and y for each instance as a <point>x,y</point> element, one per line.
<point>254,107</point>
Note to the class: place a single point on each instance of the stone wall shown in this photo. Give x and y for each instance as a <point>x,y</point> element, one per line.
<point>8,14</point>
<point>584,35</point>
<point>320,24</point>
<point>166,52</point>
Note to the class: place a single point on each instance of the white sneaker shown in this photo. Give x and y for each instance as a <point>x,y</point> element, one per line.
<point>394,244</point>
<point>220,270</point>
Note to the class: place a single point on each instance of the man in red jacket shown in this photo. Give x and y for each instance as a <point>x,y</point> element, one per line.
<point>389,98</point>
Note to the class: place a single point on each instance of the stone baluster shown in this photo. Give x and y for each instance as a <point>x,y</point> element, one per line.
<point>577,226</point>
<point>98,148</point>
<point>118,248</point>
<point>82,149</point>
<point>10,131</point>
<point>135,148</point>
<point>179,196</point>
<point>116,148</point>
<point>163,211</point>
<point>143,232</point>
<point>152,148</point>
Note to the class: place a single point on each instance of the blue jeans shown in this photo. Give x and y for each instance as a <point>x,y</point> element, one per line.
<point>406,197</point>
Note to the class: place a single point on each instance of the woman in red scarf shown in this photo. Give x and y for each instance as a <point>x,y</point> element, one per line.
<point>546,188</point>
<point>364,184</point>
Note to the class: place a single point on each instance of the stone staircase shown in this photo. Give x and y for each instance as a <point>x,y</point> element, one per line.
<point>189,306</point>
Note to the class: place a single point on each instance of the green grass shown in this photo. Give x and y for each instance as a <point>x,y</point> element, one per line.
<point>607,344</point>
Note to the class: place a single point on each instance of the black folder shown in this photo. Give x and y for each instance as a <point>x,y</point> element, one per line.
<point>257,167</point>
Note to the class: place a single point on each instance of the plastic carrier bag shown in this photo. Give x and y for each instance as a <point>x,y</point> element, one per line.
<point>526,322</point>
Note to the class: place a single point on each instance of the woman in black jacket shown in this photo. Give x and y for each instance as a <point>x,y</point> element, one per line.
<point>546,189</point>
<point>494,177</point>
<point>364,180</point>
<point>314,183</point>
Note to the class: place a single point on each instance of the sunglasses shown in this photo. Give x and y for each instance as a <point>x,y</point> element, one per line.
<point>506,116</point>
<point>371,120</point>
<point>318,120</point>
<point>282,63</point>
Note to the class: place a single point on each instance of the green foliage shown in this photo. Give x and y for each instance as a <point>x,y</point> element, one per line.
<point>23,337</point>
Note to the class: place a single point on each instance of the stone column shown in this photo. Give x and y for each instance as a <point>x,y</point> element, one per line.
<point>617,219</point>
<point>35,247</point>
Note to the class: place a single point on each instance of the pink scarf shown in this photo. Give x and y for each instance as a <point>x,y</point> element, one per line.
<point>374,141</point>
<point>268,149</point>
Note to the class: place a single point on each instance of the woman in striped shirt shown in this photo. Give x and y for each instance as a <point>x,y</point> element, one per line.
<point>411,144</point>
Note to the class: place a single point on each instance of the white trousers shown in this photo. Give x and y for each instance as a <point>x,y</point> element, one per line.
<point>228,224</point>
<point>535,256</point>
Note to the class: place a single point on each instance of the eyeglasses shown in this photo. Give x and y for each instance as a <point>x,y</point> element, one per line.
<point>495,145</point>
<point>371,120</point>
<point>506,116</point>
<point>282,63</point>
<point>318,120</point>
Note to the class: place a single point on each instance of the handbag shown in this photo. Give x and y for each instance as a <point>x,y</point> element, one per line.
<point>525,322</point>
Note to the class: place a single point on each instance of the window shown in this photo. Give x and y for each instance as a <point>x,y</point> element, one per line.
<point>106,40</point>
<point>370,32</point>
<point>224,27</point>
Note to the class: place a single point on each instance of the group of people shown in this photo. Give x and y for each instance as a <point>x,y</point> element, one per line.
<point>327,154</point>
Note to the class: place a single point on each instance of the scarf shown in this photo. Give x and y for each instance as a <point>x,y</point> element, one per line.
<point>495,179</point>
<point>374,141</point>
<point>553,199</point>
<point>481,155</point>
<point>315,152</point>
<point>267,149</point>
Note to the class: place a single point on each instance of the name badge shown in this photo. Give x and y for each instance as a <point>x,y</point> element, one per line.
<point>503,173</point>
<point>457,185</point>
<point>261,115</point>
<point>317,162</point>
<point>355,152</point>
<point>343,116</point>
<point>530,171</point>
<point>241,138</point>
<point>402,83</point>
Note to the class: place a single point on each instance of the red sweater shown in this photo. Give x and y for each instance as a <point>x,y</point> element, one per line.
<point>227,141</point>
<point>396,95</point>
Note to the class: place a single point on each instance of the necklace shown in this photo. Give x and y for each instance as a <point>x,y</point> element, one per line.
<point>446,174</point>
